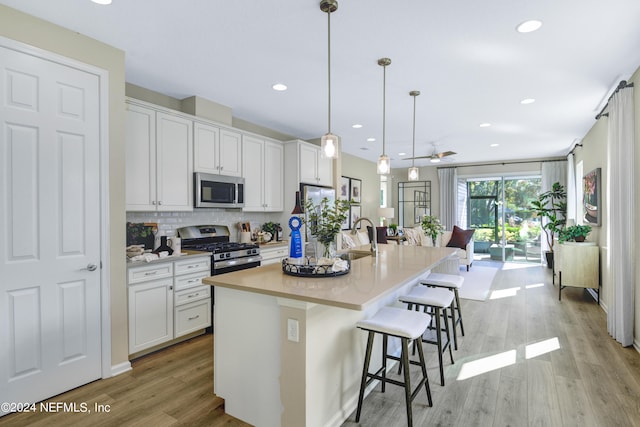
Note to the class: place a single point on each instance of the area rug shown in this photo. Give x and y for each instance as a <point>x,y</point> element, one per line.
<point>477,282</point>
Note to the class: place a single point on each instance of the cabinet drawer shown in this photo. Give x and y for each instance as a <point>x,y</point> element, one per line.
<point>189,280</point>
<point>193,265</point>
<point>192,294</point>
<point>192,317</point>
<point>151,272</point>
<point>274,256</point>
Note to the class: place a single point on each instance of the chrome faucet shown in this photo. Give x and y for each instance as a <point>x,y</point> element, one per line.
<point>373,238</point>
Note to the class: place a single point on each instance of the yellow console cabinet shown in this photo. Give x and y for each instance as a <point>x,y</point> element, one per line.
<point>578,265</point>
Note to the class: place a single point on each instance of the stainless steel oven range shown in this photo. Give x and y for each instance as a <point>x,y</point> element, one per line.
<point>226,256</point>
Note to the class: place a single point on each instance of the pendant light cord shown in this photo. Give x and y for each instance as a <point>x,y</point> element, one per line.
<point>329,65</point>
<point>384,105</point>
<point>413,154</point>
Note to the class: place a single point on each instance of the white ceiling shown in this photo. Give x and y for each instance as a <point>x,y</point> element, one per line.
<point>465,57</point>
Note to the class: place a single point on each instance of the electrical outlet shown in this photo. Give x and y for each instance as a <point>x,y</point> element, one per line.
<point>293,331</point>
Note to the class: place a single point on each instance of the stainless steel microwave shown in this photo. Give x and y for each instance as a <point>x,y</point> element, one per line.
<point>218,191</point>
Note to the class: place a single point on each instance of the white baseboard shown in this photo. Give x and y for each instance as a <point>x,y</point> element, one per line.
<point>120,368</point>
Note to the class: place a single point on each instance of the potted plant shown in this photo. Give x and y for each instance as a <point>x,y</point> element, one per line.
<point>551,208</point>
<point>432,227</point>
<point>394,229</point>
<point>575,233</point>
<point>325,221</point>
<point>271,228</point>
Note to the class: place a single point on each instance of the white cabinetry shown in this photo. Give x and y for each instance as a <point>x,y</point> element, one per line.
<point>273,254</point>
<point>577,265</point>
<point>216,150</point>
<point>312,167</point>
<point>159,171</point>
<point>192,299</point>
<point>167,300</point>
<point>262,164</point>
<point>150,306</point>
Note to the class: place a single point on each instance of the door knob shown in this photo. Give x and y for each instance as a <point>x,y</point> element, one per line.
<point>91,267</point>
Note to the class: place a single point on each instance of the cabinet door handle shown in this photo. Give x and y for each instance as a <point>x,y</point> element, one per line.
<point>159,202</point>
<point>194,317</point>
<point>193,280</point>
<point>170,288</point>
<point>193,295</point>
<point>153,202</point>
<point>151,273</point>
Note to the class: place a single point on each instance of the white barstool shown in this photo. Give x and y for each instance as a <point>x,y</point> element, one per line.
<point>437,301</point>
<point>453,283</point>
<point>403,324</point>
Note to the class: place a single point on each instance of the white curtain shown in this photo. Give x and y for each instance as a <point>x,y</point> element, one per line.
<point>552,172</point>
<point>621,190</point>
<point>448,196</point>
<point>572,199</point>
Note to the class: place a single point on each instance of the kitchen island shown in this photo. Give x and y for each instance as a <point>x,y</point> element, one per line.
<point>286,349</point>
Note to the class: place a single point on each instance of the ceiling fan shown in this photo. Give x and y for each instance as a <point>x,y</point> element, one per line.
<point>435,157</point>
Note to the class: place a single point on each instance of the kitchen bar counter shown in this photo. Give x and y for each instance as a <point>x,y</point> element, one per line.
<point>286,349</point>
<point>370,278</point>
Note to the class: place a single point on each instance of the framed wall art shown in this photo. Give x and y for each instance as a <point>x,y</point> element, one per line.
<point>345,187</point>
<point>356,190</point>
<point>592,196</point>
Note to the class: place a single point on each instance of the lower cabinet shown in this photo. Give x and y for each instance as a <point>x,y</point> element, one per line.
<point>150,314</point>
<point>167,300</point>
<point>273,255</point>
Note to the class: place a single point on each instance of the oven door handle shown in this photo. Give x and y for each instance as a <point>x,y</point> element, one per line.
<point>237,261</point>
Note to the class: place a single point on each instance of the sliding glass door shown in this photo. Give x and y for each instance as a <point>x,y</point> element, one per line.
<point>498,208</point>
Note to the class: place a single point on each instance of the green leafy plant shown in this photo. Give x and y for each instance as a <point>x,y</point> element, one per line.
<point>324,220</point>
<point>575,233</point>
<point>552,205</point>
<point>394,227</point>
<point>271,227</point>
<point>432,227</point>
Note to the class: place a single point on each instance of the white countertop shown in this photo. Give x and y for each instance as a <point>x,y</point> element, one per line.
<point>369,279</point>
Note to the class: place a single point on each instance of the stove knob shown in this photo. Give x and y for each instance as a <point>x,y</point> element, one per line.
<point>254,251</point>
<point>228,255</point>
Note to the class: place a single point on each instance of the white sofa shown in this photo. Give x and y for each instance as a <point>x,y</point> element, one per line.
<point>413,236</point>
<point>416,236</point>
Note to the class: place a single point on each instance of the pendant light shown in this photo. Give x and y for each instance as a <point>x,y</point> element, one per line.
<point>330,143</point>
<point>414,174</point>
<point>384,164</point>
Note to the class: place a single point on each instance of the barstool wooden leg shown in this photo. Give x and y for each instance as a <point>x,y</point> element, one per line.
<point>365,371</point>
<point>407,380</point>
<point>424,370</point>
<point>457,296</point>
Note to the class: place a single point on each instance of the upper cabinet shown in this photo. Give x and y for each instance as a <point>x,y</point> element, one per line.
<point>312,167</point>
<point>159,167</point>
<point>262,164</point>
<point>216,150</point>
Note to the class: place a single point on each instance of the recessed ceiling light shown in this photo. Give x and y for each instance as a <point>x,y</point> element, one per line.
<point>435,160</point>
<point>402,154</point>
<point>527,101</point>
<point>371,139</point>
<point>529,26</point>
<point>104,2</point>
<point>485,125</point>
<point>357,126</point>
<point>279,87</point>
<point>494,145</point>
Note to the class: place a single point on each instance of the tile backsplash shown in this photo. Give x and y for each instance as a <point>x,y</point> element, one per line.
<point>168,222</point>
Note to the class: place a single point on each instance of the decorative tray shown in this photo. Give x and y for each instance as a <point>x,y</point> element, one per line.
<point>312,270</point>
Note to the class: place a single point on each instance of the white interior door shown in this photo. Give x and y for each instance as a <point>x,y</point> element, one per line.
<point>50,330</point>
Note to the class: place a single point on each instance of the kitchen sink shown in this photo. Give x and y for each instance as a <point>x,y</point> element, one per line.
<point>353,255</point>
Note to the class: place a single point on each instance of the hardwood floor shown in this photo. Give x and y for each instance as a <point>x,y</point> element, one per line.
<point>172,387</point>
<point>527,359</point>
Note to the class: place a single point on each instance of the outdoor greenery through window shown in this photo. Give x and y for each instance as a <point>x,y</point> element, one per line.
<point>499,209</point>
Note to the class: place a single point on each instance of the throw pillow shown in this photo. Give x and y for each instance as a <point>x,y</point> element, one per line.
<point>347,241</point>
<point>460,238</point>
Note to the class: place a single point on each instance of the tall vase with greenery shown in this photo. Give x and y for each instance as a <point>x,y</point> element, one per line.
<point>551,208</point>
<point>325,221</point>
<point>432,227</point>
